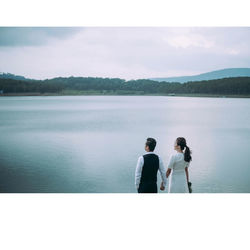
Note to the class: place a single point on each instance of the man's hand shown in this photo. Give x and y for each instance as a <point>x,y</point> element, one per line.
<point>162,188</point>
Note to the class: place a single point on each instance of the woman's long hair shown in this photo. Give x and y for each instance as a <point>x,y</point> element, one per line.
<point>180,141</point>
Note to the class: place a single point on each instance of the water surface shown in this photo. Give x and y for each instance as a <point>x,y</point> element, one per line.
<point>91,143</point>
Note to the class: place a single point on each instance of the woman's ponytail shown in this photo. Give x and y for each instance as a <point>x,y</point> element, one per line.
<point>181,141</point>
<point>187,154</point>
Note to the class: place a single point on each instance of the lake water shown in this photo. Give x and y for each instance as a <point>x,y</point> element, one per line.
<point>90,144</point>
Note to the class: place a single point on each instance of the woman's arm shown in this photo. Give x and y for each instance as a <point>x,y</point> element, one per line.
<point>186,170</point>
<point>170,165</point>
<point>168,172</point>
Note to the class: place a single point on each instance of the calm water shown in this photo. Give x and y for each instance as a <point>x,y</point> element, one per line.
<point>91,143</point>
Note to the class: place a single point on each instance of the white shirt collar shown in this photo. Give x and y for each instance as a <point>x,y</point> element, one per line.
<point>150,152</point>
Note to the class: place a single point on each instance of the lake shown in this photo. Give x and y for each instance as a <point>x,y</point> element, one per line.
<point>90,144</point>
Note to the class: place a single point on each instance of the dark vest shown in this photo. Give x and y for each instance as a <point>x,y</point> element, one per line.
<point>150,168</point>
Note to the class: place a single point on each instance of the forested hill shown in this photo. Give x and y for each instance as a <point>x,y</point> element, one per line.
<point>12,76</point>
<point>117,86</point>
<point>217,74</point>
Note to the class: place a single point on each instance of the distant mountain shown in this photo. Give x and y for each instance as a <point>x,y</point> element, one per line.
<point>213,75</point>
<point>12,76</point>
<point>218,74</point>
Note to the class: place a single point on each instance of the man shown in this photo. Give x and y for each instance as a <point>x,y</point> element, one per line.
<point>147,168</point>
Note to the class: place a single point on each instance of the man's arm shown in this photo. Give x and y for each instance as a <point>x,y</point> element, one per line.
<point>162,172</point>
<point>138,171</point>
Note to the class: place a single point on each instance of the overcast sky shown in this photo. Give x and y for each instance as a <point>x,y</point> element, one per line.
<point>124,52</point>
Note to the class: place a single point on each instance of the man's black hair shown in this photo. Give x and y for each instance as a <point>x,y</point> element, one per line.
<point>151,143</point>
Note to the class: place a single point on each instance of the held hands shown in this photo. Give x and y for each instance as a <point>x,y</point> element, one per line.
<point>162,187</point>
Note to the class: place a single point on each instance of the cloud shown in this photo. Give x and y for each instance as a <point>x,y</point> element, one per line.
<point>233,52</point>
<point>125,52</point>
<point>192,40</point>
<point>34,36</point>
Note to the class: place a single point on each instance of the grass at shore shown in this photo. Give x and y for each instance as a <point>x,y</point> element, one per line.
<point>119,93</point>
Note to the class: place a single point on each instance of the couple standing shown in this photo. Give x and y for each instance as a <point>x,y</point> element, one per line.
<point>177,169</point>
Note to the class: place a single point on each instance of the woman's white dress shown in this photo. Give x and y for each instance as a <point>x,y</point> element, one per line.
<point>177,180</point>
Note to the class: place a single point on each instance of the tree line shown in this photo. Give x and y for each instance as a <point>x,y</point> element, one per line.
<point>225,86</point>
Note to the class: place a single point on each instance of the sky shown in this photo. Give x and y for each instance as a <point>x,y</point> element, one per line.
<point>123,52</point>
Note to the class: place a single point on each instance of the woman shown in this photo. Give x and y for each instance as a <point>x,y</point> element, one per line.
<point>178,165</point>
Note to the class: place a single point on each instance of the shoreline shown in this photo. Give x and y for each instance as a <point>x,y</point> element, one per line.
<point>128,94</point>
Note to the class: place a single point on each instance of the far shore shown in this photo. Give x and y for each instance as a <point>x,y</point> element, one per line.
<point>93,93</point>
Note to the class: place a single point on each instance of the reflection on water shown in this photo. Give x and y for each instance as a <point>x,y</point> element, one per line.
<point>91,143</point>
